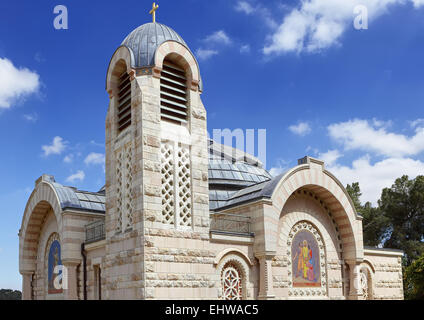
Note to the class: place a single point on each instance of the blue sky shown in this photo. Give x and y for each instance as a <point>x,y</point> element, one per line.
<point>300,70</point>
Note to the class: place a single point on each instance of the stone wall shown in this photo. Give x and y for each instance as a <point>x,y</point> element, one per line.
<point>386,273</point>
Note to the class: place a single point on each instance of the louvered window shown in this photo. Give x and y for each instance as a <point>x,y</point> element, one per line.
<point>124,101</point>
<point>173,93</point>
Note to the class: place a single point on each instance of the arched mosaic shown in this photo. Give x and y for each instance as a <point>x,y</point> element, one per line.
<point>53,258</point>
<point>307,261</point>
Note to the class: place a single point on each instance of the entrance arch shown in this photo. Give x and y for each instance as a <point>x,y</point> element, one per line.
<point>42,202</point>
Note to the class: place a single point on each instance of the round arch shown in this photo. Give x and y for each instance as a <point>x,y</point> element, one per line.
<point>42,200</point>
<point>329,190</point>
<point>240,260</point>
<point>183,56</point>
<point>121,60</point>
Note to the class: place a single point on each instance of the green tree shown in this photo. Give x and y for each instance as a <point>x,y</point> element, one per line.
<point>8,294</point>
<point>413,280</point>
<point>403,206</point>
<point>374,224</point>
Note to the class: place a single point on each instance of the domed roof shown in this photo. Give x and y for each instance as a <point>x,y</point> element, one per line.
<point>144,40</point>
<point>231,170</point>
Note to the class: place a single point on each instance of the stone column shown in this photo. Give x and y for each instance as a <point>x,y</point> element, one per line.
<point>71,291</point>
<point>27,285</point>
<point>266,288</point>
<point>355,292</point>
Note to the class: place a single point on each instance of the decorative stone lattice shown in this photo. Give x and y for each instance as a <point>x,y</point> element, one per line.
<point>184,190</point>
<point>124,187</point>
<point>231,282</point>
<point>176,184</point>
<point>314,291</point>
<point>168,188</point>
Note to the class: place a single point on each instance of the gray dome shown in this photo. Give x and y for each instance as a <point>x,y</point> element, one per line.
<point>144,41</point>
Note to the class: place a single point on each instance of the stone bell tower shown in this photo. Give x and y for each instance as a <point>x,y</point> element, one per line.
<point>156,159</point>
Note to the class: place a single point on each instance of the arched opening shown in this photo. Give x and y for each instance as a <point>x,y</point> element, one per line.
<point>234,272</point>
<point>122,90</point>
<point>174,82</point>
<point>36,249</point>
<point>310,240</point>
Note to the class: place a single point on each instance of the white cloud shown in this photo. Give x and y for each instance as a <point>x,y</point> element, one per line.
<point>373,178</point>
<point>95,158</point>
<point>418,3</point>
<point>57,147</point>
<point>218,37</point>
<point>33,117</point>
<point>301,129</point>
<point>243,6</point>
<point>15,83</point>
<point>204,54</point>
<point>318,24</point>
<point>418,123</point>
<point>330,157</point>
<point>80,175</point>
<point>245,48</point>
<point>362,135</point>
<point>281,167</point>
<point>258,10</point>
<point>69,158</point>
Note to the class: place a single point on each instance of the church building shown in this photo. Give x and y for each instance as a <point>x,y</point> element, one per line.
<point>184,217</point>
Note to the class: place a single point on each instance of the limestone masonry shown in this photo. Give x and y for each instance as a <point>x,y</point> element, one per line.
<point>183,217</point>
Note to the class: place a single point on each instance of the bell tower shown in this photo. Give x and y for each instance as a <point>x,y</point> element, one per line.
<point>156,159</point>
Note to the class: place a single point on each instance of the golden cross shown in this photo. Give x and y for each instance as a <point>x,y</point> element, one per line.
<point>153,11</point>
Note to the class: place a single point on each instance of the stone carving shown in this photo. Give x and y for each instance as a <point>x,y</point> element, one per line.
<point>231,283</point>
<point>176,184</point>
<point>124,187</point>
<point>184,185</point>
<point>167,172</point>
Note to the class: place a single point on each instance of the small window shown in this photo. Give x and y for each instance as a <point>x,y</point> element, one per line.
<point>124,101</point>
<point>173,93</point>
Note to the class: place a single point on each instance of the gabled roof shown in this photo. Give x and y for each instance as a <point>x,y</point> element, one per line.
<point>72,198</point>
<point>263,190</point>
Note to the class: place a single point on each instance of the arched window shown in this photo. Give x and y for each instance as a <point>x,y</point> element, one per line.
<point>173,93</point>
<point>124,101</point>
<point>232,280</point>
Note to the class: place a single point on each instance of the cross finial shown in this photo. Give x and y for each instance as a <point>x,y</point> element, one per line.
<point>153,11</point>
